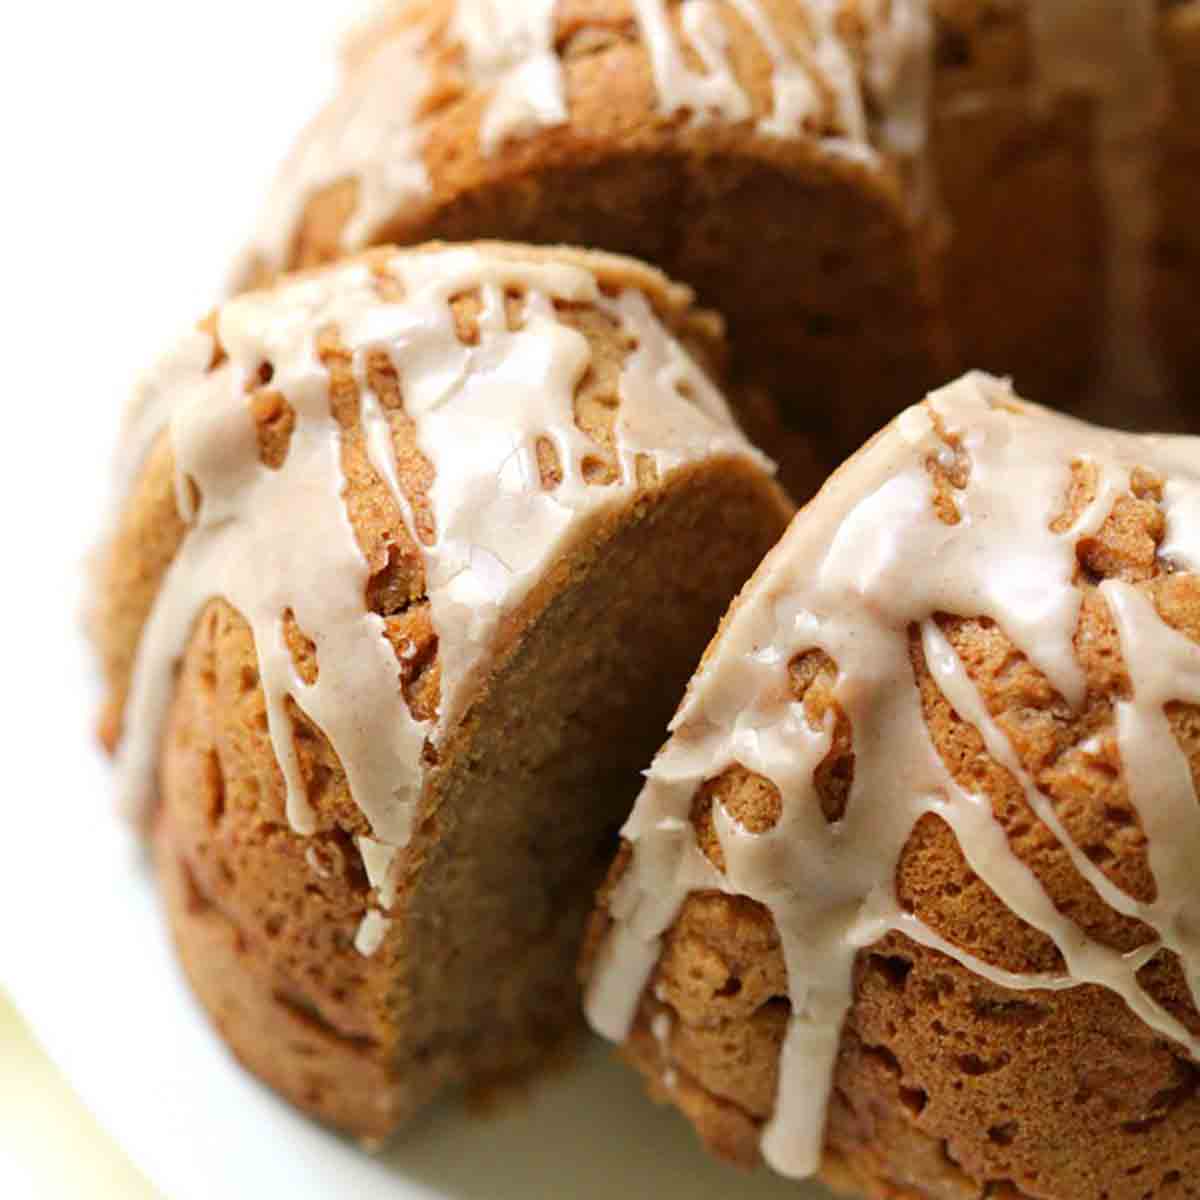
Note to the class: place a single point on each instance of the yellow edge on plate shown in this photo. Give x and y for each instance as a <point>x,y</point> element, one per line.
<point>51,1147</point>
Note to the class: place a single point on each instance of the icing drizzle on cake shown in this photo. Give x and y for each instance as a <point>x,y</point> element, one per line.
<point>277,544</point>
<point>843,581</point>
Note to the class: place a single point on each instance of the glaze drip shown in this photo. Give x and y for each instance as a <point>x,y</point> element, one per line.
<point>372,135</point>
<point>510,48</point>
<point>713,91</point>
<point>820,89</point>
<point>277,544</point>
<point>843,581</point>
<point>899,72</point>
<point>379,861</point>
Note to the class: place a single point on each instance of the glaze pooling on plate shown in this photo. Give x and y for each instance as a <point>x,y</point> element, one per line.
<point>276,542</point>
<point>869,560</point>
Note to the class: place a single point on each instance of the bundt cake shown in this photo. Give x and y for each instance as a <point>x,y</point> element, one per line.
<point>415,555</point>
<point>967,182</point>
<point>417,549</point>
<point>910,896</point>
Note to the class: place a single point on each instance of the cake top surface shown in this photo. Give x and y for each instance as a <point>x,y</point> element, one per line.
<point>973,505</point>
<point>451,376</point>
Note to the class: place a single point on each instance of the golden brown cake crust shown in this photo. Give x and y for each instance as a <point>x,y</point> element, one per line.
<point>342,1080</point>
<point>474,980</point>
<point>947,1085</point>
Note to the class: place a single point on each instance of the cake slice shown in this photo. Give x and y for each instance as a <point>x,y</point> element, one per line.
<point>910,896</point>
<point>414,558</point>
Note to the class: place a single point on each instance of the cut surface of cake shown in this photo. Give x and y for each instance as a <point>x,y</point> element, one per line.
<point>910,896</point>
<point>414,557</point>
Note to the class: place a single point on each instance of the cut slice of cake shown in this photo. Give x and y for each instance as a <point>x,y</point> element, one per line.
<point>910,896</point>
<point>415,556</point>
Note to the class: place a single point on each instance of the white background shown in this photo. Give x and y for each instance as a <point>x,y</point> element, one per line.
<point>138,139</point>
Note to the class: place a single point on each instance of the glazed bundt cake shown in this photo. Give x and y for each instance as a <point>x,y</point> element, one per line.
<point>910,897</point>
<point>970,182</point>
<point>418,548</point>
<point>415,557</point>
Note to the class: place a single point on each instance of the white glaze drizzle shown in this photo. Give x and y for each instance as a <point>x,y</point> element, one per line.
<point>823,85</point>
<point>1108,50</point>
<point>1181,546</point>
<point>899,71</point>
<point>661,1027</point>
<point>149,408</point>
<point>317,864</point>
<point>800,88</point>
<point>270,541</point>
<point>379,860</point>
<point>1164,667</point>
<point>371,133</point>
<point>868,560</point>
<point>510,48</point>
<point>713,91</point>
